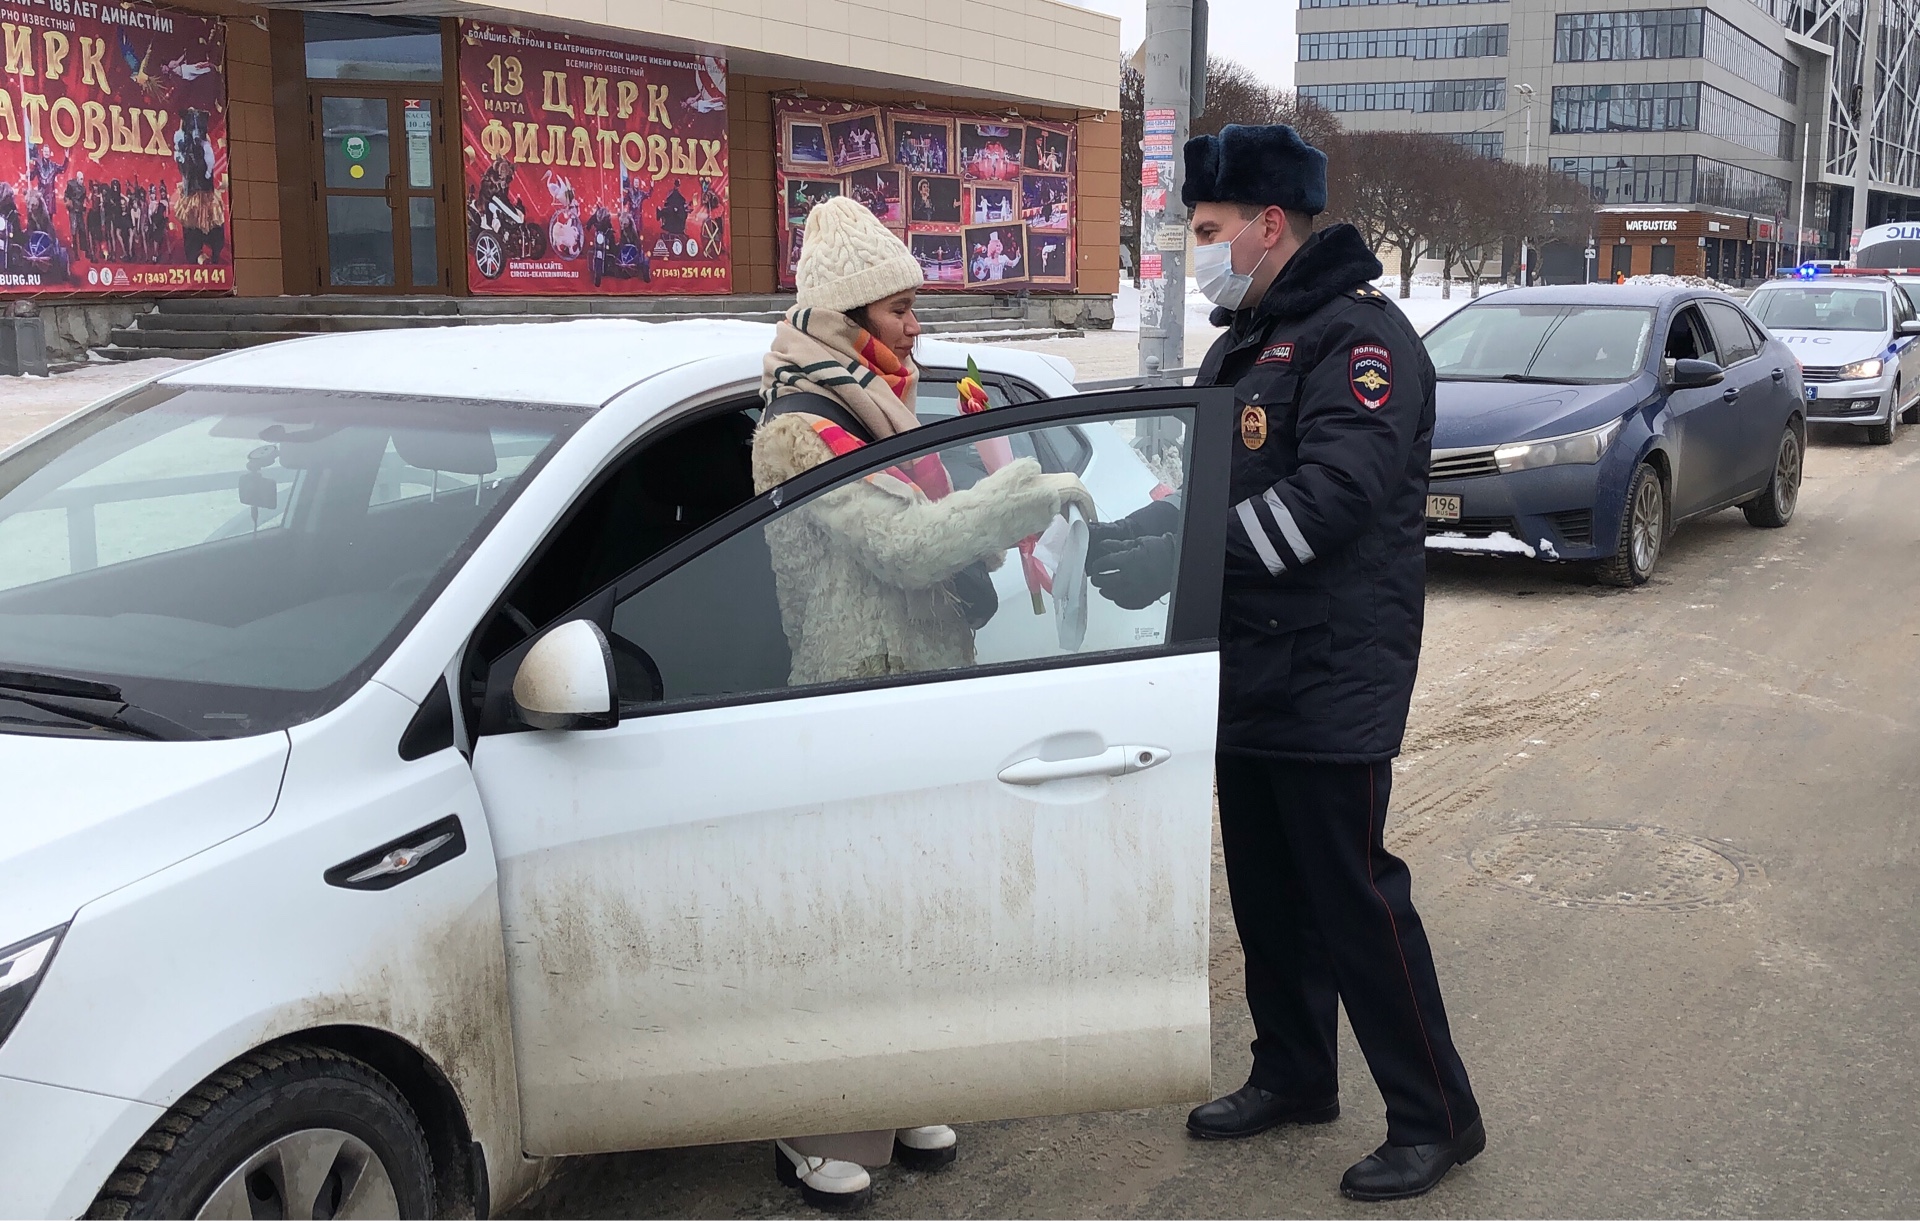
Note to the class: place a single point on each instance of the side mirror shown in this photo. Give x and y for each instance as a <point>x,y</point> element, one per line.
<point>566,680</point>
<point>1692,374</point>
<point>1910,327</point>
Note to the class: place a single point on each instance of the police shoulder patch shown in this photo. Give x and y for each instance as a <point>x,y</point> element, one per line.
<point>1276,354</point>
<point>1370,373</point>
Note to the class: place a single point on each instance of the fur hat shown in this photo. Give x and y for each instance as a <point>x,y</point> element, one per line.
<point>849,259</point>
<point>1269,166</point>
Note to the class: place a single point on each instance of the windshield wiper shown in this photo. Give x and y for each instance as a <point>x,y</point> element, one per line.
<point>98,704</point>
<point>1535,379</point>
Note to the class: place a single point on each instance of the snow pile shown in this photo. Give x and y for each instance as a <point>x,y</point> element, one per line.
<point>1425,308</point>
<point>1680,282</point>
<point>1497,543</point>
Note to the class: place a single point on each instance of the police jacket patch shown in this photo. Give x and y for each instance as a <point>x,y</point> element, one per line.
<point>1370,372</point>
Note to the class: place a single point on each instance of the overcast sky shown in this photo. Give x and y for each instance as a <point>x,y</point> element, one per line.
<point>1258,33</point>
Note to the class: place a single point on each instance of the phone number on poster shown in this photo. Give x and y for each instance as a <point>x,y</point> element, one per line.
<point>181,277</point>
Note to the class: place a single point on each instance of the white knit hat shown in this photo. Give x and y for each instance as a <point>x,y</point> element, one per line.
<point>849,259</point>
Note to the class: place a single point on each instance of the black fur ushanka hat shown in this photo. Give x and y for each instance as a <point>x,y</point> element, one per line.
<point>1269,166</point>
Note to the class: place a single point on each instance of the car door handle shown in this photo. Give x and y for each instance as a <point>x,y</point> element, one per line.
<point>1779,375</point>
<point>1113,761</point>
<point>1730,393</point>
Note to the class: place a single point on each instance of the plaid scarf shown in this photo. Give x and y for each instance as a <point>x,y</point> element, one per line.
<point>885,365</point>
<point>823,352</point>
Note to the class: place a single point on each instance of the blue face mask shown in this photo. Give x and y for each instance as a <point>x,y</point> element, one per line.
<point>1213,272</point>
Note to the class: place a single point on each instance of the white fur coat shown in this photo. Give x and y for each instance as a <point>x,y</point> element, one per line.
<point>864,572</point>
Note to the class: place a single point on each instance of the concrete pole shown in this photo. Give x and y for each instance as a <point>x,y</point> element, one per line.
<point>1169,88</point>
<point>1526,247</point>
<point>1863,126</point>
<point>1800,207</point>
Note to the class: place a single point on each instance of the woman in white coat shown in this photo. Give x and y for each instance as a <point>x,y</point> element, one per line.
<point>867,573</point>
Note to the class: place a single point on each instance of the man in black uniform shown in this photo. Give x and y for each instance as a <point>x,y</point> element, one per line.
<point>1320,638</point>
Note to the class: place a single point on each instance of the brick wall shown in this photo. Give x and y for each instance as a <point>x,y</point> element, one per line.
<point>252,175</point>
<point>756,229</point>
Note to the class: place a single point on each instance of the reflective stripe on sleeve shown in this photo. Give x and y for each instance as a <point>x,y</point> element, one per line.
<point>1257,535</point>
<point>1289,528</point>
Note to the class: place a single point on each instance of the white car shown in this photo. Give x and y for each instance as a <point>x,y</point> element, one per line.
<point>404,788</point>
<point>1857,338</point>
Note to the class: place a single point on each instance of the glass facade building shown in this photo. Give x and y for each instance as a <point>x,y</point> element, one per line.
<point>1421,97</point>
<point>1670,106</point>
<point>1428,42</point>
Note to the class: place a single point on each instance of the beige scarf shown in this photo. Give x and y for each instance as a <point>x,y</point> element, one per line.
<point>818,351</point>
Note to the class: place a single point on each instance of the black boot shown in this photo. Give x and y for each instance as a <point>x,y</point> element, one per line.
<point>1395,1172</point>
<point>1250,1110</point>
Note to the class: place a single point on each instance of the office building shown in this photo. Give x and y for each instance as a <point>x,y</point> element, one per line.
<point>1692,124</point>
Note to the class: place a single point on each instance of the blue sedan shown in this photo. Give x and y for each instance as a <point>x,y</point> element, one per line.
<point>1585,423</point>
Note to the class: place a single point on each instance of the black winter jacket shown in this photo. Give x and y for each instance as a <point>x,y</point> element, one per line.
<point>1326,540</point>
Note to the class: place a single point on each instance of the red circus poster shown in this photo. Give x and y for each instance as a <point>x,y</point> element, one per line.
<point>592,167</point>
<point>113,150</point>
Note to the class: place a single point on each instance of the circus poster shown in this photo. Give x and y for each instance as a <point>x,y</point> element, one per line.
<point>592,167</point>
<point>113,150</point>
<point>983,202</point>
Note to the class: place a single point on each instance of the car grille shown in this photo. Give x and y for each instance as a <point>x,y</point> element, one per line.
<point>1575,525</point>
<point>1821,373</point>
<point>1462,464</point>
<point>1475,527</point>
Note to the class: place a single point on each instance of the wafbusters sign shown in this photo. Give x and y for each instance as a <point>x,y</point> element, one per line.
<point>113,150</point>
<point>592,167</point>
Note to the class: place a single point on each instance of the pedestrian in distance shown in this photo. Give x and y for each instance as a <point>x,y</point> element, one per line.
<point>1320,638</point>
<point>889,574</point>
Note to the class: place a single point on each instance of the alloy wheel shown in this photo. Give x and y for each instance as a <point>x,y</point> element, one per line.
<point>1648,522</point>
<point>1786,475</point>
<point>314,1172</point>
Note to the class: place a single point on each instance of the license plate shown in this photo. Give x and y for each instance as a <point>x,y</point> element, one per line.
<point>1813,392</point>
<point>1443,508</point>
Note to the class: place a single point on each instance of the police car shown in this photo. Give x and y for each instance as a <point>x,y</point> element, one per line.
<point>1856,335</point>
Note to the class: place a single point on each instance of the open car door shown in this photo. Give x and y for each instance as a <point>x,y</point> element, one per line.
<point>758,907</point>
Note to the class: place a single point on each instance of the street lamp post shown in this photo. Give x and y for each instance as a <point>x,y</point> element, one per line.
<point>1526,248</point>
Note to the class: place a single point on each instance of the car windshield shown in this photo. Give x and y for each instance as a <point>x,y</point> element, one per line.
<point>1820,307</point>
<point>1581,344</point>
<point>235,561</point>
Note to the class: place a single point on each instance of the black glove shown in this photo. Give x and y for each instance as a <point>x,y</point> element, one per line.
<point>1133,573</point>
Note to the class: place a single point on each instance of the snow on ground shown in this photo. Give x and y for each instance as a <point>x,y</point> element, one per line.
<point>1425,308</point>
<point>28,404</point>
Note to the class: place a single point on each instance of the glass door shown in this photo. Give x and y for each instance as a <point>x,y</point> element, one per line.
<point>381,200</point>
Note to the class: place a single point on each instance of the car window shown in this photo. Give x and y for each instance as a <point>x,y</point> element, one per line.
<point>659,491</point>
<point>1821,307</point>
<point>877,577</point>
<point>1731,336</point>
<point>1911,290</point>
<point>1057,449</point>
<point>1568,343</point>
<point>1689,339</point>
<point>235,560</point>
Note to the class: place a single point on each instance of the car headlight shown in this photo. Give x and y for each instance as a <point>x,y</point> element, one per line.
<point>1581,447</point>
<point>1861,368</point>
<point>22,965</point>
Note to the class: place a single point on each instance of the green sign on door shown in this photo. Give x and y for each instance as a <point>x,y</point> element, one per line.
<point>355,148</point>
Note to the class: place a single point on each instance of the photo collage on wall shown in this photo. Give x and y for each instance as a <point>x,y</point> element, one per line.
<point>984,202</point>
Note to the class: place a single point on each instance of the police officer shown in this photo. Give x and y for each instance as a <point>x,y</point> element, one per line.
<point>1320,637</point>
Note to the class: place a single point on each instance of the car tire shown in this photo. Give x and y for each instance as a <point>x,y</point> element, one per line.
<point>227,1147</point>
<point>1643,531</point>
<point>1774,506</point>
<point>1883,433</point>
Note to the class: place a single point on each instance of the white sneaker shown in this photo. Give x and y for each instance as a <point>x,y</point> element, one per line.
<point>823,1181</point>
<point>927,1148</point>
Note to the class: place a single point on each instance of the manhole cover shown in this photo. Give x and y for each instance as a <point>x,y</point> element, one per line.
<point>1581,865</point>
